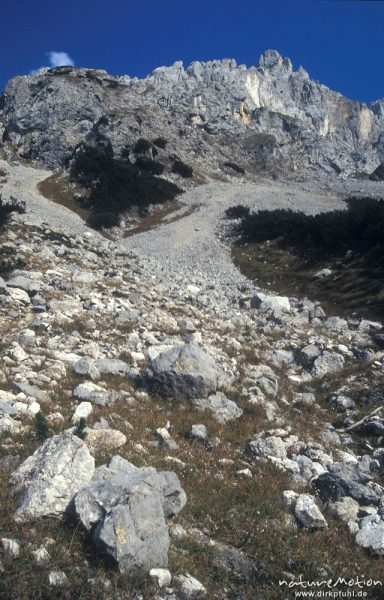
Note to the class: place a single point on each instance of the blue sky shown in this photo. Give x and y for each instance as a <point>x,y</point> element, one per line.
<point>339,42</point>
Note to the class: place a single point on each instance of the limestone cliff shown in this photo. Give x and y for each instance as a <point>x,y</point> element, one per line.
<point>266,117</point>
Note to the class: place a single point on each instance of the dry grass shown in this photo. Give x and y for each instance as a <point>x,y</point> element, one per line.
<point>243,513</point>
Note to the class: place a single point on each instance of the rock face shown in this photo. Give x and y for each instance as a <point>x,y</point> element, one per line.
<point>270,114</point>
<point>184,372</point>
<point>48,480</point>
<point>127,508</point>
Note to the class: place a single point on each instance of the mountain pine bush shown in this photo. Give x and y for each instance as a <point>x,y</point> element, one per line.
<point>116,185</point>
<point>360,227</point>
<point>6,208</point>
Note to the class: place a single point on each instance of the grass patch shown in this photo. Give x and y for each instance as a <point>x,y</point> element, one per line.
<point>284,249</point>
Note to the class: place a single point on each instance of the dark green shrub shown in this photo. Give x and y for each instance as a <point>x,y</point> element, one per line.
<point>103,120</point>
<point>237,212</point>
<point>182,169</point>
<point>103,220</point>
<point>41,426</point>
<point>234,167</point>
<point>142,146</point>
<point>80,428</point>
<point>149,165</point>
<point>160,142</point>
<point>125,152</point>
<point>6,208</point>
<point>360,227</point>
<point>115,184</point>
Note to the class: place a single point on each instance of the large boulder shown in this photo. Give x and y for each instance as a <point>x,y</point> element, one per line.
<point>345,479</point>
<point>184,371</point>
<point>126,508</point>
<point>48,480</point>
<point>265,302</point>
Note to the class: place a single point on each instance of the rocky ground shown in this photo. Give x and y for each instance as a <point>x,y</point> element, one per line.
<point>217,437</point>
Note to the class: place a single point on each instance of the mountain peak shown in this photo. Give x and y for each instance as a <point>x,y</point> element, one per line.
<point>268,116</point>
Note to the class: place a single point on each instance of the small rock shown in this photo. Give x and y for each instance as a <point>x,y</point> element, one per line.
<point>7,409</point>
<point>41,556</point>
<point>244,473</point>
<point>19,295</point>
<point>266,448</point>
<point>290,498</point>
<point>48,480</point>
<point>57,578</point>
<point>83,411</point>
<point>165,439</point>
<point>328,362</point>
<point>223,409</point>
<point>162,576</point>
<point>112,366</point>
<point>198,432</point>
<point>308,354</point>
<point>18,354</point>
<point>189,588</point>
<point>92,393</point>
<point>308,513</point>
<point>103,441</point>
<point>371,534</point>
<point>184,372</point>
<point>345,509</point>
<point>304,399</point>
<point>10,548</point>
<point>86,366</point>
<point>323,273</point>
<point>264,302</point>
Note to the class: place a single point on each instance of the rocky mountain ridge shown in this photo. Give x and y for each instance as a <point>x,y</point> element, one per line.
<point>270,117</point>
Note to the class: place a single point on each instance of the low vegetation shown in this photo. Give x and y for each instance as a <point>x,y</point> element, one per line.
<point>142,146</point>
<point>160,142</point>
<point>181,168</point>
<point>41,426</point>
<point>6,208</point>
<point>360,227</point>
<point>151,166</point>
<point>286,249</point>
<point>234,167</point>
<point>115,184</point>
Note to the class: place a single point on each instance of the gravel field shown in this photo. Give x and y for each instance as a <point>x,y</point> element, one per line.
<point>191,244</point>
<point>188,243</point>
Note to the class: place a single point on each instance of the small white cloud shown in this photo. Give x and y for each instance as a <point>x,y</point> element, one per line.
<point>55,59</point>
<point>60,59</point>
